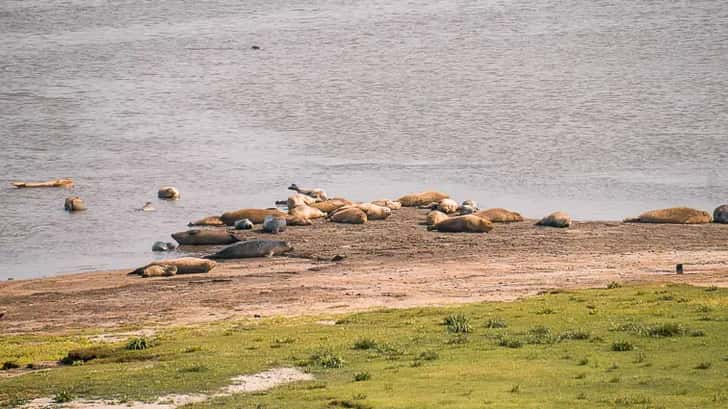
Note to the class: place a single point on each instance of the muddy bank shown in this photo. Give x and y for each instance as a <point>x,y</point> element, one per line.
<point>391,263</point>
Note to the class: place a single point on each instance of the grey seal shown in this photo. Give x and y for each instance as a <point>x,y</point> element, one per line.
<point>274,224</point>
<point>253,248</point>
<point>244,224</point>
<point>163,246</point>
<point>720,214</point>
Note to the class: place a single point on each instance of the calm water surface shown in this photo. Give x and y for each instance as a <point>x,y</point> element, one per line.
<point>599,108</point>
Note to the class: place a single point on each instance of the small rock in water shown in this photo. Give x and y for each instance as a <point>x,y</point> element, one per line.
<point>244,224</point>
<point>163,246</point>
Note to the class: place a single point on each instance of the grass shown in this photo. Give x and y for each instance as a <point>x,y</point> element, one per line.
<point>405,358</point>
<point>138,344</point>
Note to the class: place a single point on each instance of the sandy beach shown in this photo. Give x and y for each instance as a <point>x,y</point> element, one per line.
<point>394,263</point>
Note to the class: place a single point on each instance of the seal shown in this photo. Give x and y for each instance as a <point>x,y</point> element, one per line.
<point>204,237</point>
<point>556,219</point>
<point>350,215</point>
<point>374,212</point>
<point>254,215</point>
<point>674,215</point>
<point>448,206</point>
<point>463,224</point>
<point>74,204</point>
<point>244,224</point>
<point>185,265</point>
<point>434,217</point>
<point>163,246</point>
<point>499,215</point>
<point>274,225</point>
<point>207,221</point>
<point>330,205</point>
<point>297,221</point>
<point>316,193</point>
<point>422,198</point>
<point>67,183</point>
<point>159,271</point>
<point>299,200</point>
<point>392,204</point>
<point>148,207</point>
<point>306,212</point>
<point>253,248</point>
<point>720,214</point>
<point>168,193</point>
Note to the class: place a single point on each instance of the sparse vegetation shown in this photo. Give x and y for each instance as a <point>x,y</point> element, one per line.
<point>612,285</point>
<point>138,344</point>
<point>406,359</point>
<point>9,365</point>
<point>622,346</point>
<point>458,323</point>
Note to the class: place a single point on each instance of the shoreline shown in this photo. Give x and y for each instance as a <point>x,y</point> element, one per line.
<point>394,263</point>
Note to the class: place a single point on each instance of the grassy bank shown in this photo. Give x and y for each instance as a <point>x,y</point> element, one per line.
<point>617,347</point>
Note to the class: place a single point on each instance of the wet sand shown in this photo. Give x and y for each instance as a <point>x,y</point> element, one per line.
<point>393,263</point>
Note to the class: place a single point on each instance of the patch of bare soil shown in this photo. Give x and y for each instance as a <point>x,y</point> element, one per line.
<point>392,263</point>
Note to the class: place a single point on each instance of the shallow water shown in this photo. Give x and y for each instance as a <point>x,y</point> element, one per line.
<point>602,109</point>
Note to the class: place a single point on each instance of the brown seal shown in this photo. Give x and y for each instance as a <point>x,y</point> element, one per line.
<point>257,216</point>
<point>674,215</point>
<point>350,215</point>
<point>499,215</point>
<point>556,219</point>
<point>74,204</point>
<point>448,206</point>
<point>159,271</point>
<point>463,224</point>
<point>435,216</point>
<point>392,204</point>
<point>168,193</point>
<point>329,206</point>
<point>374,212</point>
<point>208,221</point>
<point>67,183</point>
<point>422,198</point>
<point>299,200</point>
<point>185,265</point>
<point>306,212</point>
<point>204,237</point>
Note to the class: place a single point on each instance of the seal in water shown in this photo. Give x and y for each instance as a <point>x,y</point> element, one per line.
<point>244,224</point>
<point>185,265</point>
<point>556,219</point>
<point>204,237</point>
<point>274,224</point>
<point>67,183</point>
<point>674,215</point>
<point>163,246</point>
<point>319,194</point>
<point>168,193</point>
<point>74,204</point>
<point>252,248</point>
<point>463,224</point>
<point>147,207</point>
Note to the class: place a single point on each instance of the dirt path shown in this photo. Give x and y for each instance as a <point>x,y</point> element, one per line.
<point>392,263</point>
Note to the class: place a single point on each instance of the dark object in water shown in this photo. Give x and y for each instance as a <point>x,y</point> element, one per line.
<point>679,268</point>
<point>255,47</point>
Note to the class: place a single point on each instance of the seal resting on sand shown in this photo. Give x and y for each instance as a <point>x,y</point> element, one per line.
<point>306,212</point>
<point>556,219</point>
<point>244,224</point>
<point>720,214</point>
<point>463,224</point>
<point>328,206</point>
<point>163,246</point>
<point>674,215</point>
<point>274,225</point>
<point>319,194</point>
<point>159,271</point>
<point>207,221</point>
<point>67,183</point>
<point>422,198</point>
<point>297,221</point>
<point>374,212</point>
<point>253,248</point>
<point>299,200</point>
<point>350,215</point>
<point>448,206</point>
<point>204,237</point>
<point>185,265</point>
<point>392,204</point>
<point>435,216</point>
<point>168,193</point>
<point>499,215</point>
<point>74,204</point>
<point>254,215</point>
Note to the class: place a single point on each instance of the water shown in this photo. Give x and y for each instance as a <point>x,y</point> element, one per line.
<point>602,109</point>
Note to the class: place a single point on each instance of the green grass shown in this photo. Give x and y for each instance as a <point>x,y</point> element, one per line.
<point>406,358</point>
